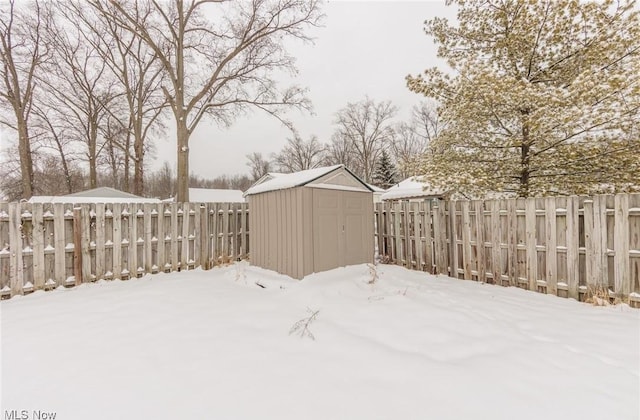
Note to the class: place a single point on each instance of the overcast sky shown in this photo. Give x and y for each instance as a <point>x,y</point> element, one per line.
<point>364,48</point>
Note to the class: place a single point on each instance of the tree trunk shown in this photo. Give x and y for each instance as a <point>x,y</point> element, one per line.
<point>26,160</point>
<point>138,161</point>
<point>67,175</point>
<point>127,156</point>
<point>182,185</point>
<point>138,174</point>
<point>93,172</point>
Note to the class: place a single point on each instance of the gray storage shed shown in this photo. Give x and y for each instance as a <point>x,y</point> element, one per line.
<point>311,221</point>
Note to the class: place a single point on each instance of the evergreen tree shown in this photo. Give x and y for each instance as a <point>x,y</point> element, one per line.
<point>384,175</point>
<point>543,98</point>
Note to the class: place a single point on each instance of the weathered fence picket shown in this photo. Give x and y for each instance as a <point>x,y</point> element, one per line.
<point>43,246</point>
<point>566,246</point>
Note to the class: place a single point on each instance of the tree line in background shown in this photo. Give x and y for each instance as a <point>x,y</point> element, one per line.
<point>541,97</point>
<point>368,139</point>
<point>91,83</point>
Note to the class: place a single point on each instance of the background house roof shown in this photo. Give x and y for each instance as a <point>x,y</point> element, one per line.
<point>412,187</point>
<point>96,195</point>
<point>211,195</point>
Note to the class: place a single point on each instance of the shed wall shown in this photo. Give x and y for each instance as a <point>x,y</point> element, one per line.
<point>277,230</point>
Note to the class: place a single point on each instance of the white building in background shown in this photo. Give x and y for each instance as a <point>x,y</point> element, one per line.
<point>412,189</point>
<point>96,195</point>
<point>212,195</point>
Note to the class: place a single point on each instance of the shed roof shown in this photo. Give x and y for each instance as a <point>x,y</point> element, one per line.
<point>299,179</point>
<point>412,187</point>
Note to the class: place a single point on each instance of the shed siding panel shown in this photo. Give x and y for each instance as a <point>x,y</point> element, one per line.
<point>307,226</point>
<point>299,235</point>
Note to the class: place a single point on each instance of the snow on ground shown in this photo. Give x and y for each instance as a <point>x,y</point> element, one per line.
<point>214,344</point>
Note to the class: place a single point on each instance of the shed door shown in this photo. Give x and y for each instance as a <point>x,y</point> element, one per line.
<point>327,229</point>
<point>341,231</point>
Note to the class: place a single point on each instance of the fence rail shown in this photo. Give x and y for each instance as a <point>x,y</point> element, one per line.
<point>565,246</point>
<point>43,246</point>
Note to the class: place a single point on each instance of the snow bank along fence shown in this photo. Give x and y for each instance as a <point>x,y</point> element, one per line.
<point>565,246</point>
<point>43,246</point>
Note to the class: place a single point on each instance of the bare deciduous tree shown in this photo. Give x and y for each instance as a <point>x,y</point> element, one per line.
<point>139,76</point>
<point>366,126</point>
<point>258,165</point>
<point>219,58</point>
<point>414,139</point>
<point>299,155</point>
<point>80,84</point>
<point>21,54</point>
<point>340,151</point>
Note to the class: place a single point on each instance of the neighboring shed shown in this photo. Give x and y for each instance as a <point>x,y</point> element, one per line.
<point>96,195</point>
<point>311,221</point>
<point>413,189</point>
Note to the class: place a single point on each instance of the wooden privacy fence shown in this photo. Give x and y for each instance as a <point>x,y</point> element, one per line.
<point>43,246</point>
<point>565,246</point>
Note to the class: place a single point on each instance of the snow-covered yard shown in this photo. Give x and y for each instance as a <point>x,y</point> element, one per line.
<point>215,345</point>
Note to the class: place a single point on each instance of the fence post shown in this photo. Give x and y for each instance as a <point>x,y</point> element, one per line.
<point>589,244</point>
<point>512,229</point>
<point>438,238</point>
<point>453,239</point>
<point>532,250</point>
<point>480,249</point>
<point>427,249</point>
<point>397,235</point>
<point>184,245</point>
<point>573,243</point>
<point>59,244</point>
<point>161,244</point>
<point>37,221</point>
<point>551,246</point>
<point>133,240</point>
<point>174,236</point>
<point>621,246</point>
<point>15,241</point>
<point>205,240</point>
<point>467,264</point>
<point>77,245</point>
<point>117,240</point>
<point>148,244</point>
<point>100,240</point>
<point>601,223</point>
<point>418,210</point>
<point>496,243</point>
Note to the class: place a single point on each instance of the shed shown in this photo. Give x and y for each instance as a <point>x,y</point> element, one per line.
<point>311,221</point>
